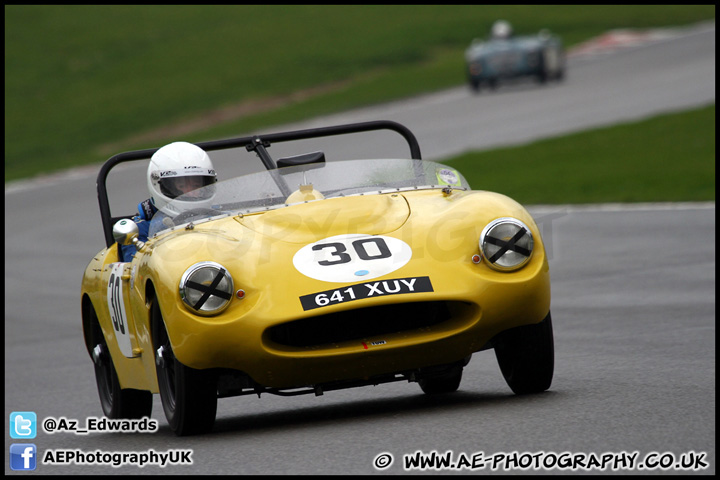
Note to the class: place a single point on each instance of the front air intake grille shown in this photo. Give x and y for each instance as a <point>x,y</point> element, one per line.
<point>360,323</point>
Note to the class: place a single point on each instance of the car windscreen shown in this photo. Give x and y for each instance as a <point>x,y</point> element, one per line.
<point>274,188</point>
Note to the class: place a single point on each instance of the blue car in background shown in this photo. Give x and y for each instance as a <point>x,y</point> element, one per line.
<point>505,56</point>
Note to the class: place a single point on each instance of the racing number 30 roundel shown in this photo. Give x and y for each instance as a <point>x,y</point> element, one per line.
<point>346,258</point>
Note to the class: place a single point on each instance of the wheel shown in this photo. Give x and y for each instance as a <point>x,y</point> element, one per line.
<point>116,402</point>
<point>551,65</point>
<point>542,75</point>
<point>526,356</point>
<point>445,379</point>
<point>189,396</point>
<point>560,75</point>
<point>475,85</point>
<point>445,384</point>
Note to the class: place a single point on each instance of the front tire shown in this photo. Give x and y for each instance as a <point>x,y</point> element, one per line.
<point>189,396</point>
<point>442,379</point>
<point>116,402</point>
<point>526,356</point>
<point>445,384</point>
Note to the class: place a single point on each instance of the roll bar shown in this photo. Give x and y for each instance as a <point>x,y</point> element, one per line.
<point>256,143</point>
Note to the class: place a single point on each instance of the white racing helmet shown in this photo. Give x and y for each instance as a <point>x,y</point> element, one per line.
<point>172,166</point>
<point>501,29</point>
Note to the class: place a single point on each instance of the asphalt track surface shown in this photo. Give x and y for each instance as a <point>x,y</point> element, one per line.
<point>633,309</point>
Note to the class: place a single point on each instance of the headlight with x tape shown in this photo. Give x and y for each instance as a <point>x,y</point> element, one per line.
<point>506,244</point>
<point>206,288</point>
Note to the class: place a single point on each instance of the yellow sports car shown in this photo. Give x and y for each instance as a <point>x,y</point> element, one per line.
<point>312,276</point>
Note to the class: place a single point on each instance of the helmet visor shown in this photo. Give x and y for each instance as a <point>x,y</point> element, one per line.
<point>191,187</point>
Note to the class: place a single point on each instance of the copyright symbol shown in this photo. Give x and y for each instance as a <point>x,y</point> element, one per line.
<point>383,461</point>
<point>49,425</point>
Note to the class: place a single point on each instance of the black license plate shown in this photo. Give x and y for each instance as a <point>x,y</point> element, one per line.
<point>370,289</point>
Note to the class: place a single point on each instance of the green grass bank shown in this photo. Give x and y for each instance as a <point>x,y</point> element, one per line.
<point>669,158</point>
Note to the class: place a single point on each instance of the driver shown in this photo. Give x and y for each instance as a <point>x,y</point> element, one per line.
<point>179,168</point>
<point>501,30</point>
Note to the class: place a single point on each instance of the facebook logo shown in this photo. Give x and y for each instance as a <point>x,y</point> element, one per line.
<point>23,425</point>
<point>23,456</point>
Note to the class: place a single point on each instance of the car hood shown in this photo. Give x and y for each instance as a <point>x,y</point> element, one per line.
<point>435,226</point>
<point>308,222</point>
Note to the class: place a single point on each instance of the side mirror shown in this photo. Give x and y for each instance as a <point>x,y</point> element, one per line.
<point>125,232</point>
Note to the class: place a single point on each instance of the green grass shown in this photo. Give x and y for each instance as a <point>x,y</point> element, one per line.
<point>83,81</point>
<point>666,158</point>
